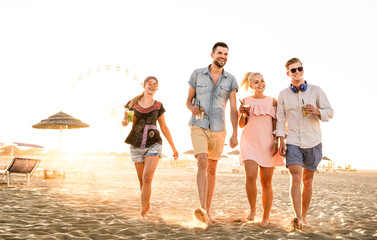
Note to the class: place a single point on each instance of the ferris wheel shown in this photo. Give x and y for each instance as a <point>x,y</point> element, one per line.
<point>101,68</point>
<point>108,83</point>
<point>101,92</point>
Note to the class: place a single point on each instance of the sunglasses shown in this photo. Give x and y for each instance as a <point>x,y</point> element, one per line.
<point>153,84</point>
<point>293,70</point>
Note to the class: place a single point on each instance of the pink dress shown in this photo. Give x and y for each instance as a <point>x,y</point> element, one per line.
<point>256,137</point>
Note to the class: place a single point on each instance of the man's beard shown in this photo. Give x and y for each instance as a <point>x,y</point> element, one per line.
<point>218,64</point>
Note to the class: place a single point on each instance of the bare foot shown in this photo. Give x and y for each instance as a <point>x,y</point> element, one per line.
<point>145,212</point>
<point>296,224</point>
<point>211,220</point>
<point>264,222</point>
<point>201,215</point>
<point>251,216</point>
<point>304,222</point>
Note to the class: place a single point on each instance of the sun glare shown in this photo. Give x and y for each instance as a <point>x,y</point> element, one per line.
<point>97,98</point>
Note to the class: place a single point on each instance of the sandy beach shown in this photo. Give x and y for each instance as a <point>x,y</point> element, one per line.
<point>105,205</point>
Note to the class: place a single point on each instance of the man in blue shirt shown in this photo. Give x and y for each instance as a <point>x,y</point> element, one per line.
<point>210,88</point>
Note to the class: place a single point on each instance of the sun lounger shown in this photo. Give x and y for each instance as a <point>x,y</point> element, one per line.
<point>20,167</point>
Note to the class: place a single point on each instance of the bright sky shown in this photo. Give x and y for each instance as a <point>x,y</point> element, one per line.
<point>48,47</point>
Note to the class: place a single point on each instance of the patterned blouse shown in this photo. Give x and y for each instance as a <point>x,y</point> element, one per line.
<point>144,131</point>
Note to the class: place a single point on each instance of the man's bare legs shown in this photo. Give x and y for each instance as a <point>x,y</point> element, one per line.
<point>251,170</point>
<point>206,179</point>
<point>211,181</point>
<point>266,174</point>
<point>307,193</point>
<point>296,177</point>
<point>145,172</point>
<point>301,199</point>
<point>201,178</point>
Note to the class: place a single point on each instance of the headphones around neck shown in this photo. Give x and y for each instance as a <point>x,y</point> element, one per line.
<point>302,87</point>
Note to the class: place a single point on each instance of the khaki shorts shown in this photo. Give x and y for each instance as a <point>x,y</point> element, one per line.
<point>205,141</point>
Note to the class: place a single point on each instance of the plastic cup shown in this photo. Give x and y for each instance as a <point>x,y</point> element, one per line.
<point>304,112</point>
<point>247,108</point>
<point>130,116</point>
<point>201,114</point>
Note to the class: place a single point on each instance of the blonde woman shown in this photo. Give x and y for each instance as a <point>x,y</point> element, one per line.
<point>258,145</point>
<point>145,139</point>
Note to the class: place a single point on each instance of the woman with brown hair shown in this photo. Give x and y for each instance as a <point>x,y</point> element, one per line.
<point>144,138</point>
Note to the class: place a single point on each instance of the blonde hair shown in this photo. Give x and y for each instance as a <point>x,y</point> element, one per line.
<point>245,83</point>
<point>292,61</point>
<point>138,97</point>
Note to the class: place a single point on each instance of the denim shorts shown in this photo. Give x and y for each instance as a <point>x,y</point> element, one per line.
<point>138,154</point>
<point>308,158</point>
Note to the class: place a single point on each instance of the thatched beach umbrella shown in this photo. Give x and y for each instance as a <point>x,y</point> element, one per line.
<point>189,155</point>
<point>60,121</point>
<point>234,152</point>
<point>10,151</point>
<point>191,152</point>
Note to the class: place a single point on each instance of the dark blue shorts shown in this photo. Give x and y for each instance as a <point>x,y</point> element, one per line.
<point>308,158</point>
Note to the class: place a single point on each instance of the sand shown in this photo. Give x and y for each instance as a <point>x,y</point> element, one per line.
<point>105,205</point>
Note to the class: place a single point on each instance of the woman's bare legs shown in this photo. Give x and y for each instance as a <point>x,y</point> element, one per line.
<point>251,170</point>
<point>140,169</point>
<point>147,172</point>
<point>267,193</point>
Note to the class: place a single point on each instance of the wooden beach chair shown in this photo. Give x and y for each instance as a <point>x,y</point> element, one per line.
<point>20,167</point>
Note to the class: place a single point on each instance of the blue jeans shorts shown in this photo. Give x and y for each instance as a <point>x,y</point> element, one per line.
<point>308,158</point>
<point>138,154</point>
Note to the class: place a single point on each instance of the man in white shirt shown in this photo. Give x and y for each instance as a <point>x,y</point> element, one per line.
<point>300,107</point>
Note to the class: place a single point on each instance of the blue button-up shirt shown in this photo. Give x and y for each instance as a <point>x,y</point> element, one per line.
<point>212,98</point>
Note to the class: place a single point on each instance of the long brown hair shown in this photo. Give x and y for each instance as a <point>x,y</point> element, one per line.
<point>138,97</point>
